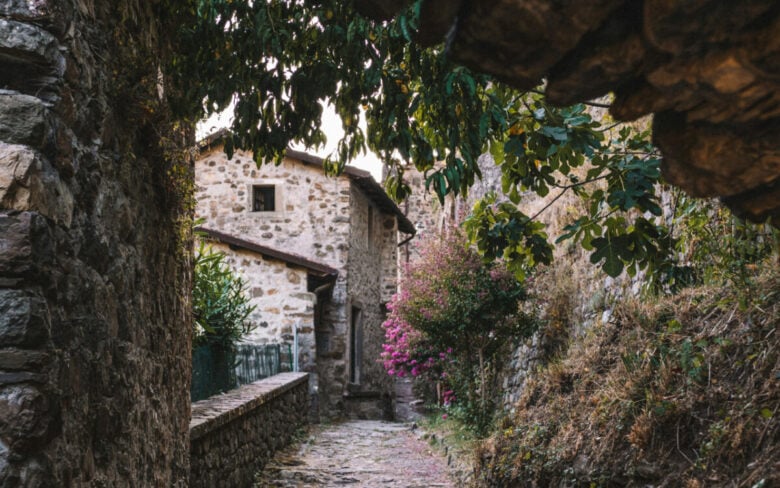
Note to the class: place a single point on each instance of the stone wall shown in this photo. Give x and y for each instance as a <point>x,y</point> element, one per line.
<point>279,292</point>
<point>233,435</point>
<point>94,329</point>
<point>369,396</point>
<point>424,211</point>
<point>331,347</point>
<point>312,211</point>
<point>388,245</point>
<point>311,220</point>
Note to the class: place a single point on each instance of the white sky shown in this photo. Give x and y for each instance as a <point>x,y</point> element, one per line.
<point>331,125</point>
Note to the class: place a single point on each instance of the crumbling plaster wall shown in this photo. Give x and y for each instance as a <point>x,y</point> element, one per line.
<point>94,322</point>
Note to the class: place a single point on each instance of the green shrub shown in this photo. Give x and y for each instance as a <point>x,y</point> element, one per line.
<point>219,301</point>
<point>451,321</point>
<point>715,247</point>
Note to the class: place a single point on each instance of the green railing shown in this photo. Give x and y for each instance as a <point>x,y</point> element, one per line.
<point>217,370</point>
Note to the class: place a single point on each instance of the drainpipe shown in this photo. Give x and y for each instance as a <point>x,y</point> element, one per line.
<point>411,236</point>
<point>322,288</point>
<point>406,249</point>
<point>317,291</point>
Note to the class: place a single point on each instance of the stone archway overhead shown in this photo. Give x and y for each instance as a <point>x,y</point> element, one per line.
<point>708,69</point>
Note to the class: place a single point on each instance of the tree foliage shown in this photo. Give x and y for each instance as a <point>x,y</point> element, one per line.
<point>561,150</point>
<point>280,60</point>
<point>715,247</point>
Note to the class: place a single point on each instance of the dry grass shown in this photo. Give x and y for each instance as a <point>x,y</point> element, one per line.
<point>679,392</point>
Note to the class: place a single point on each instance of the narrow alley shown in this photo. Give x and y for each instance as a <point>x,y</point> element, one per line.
<point>361,453</point>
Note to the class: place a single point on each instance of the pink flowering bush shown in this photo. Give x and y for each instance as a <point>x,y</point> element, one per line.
<point>451,317</point>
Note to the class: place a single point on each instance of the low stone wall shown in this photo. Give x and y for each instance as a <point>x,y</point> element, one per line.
<point>233,435</point>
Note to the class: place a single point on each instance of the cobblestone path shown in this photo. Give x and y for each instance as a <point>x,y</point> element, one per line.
<point>361,453</point>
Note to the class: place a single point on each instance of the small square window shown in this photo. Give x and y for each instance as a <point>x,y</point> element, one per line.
<point>263,198</point>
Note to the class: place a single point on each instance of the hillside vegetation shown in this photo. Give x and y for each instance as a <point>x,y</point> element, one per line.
<point>674,391</point>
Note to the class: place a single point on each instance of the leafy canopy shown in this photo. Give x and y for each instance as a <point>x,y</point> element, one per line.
<point>279,60</point>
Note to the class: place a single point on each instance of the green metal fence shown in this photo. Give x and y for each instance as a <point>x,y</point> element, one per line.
<point>217,370</point>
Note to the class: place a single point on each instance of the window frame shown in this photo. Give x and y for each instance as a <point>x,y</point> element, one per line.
<point>263,190</point>
<point>278,187</point>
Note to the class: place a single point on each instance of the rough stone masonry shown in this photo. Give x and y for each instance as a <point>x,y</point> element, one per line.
<point>94,334</point>
<point>329,221</point>
<point>235,434</point>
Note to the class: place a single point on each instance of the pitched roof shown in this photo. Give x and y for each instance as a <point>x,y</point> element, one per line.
<point>362,179</point>
<point>318,269</point>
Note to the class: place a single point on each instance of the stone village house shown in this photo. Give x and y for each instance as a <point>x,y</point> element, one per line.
<point>319,254</point>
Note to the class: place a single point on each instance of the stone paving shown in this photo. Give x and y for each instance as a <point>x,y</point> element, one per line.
<point>360,453</point>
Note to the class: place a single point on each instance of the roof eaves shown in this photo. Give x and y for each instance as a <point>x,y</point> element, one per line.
<point>318,269</point>
<point>376,193</point>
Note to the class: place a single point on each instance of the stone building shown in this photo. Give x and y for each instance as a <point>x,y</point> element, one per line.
<point>320,257</point>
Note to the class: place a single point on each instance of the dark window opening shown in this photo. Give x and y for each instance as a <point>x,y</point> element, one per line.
<point>263,198</point>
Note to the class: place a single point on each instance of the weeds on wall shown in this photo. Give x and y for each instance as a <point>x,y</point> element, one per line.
<point>677,391</point>
<point>715,247</point>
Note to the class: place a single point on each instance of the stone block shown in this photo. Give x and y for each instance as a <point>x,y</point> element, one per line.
<point>25,9</point>
<point>29,182</point>
<point>15,245</point>
<point>24,319</point>
<point>305,296</point>
<point>23,119</point>
<point>25,417</point>
<point>17,377</point>
<point>29,44</point>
